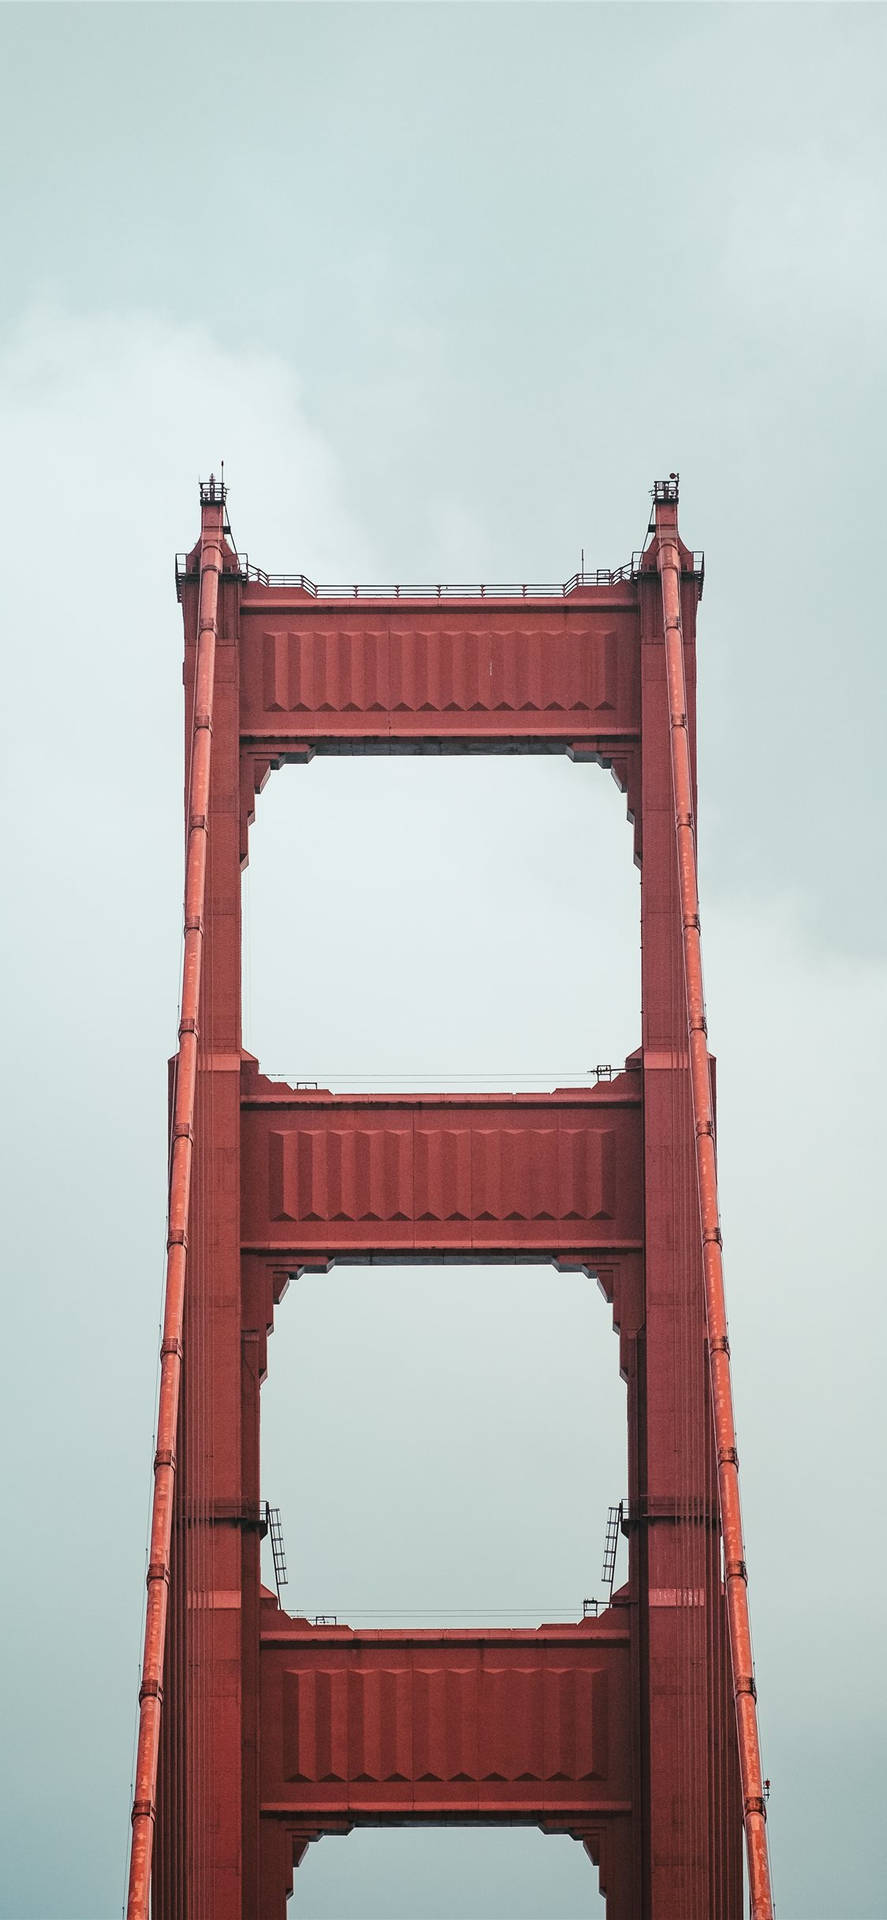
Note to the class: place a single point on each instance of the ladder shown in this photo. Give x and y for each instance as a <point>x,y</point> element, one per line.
<point>272,1518</point>
<point>611,1542</point>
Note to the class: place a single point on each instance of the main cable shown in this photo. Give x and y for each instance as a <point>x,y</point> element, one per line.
<point>157,1607</point>
<point>668,560</point>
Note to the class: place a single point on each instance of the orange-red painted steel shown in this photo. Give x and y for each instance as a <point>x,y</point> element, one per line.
<point>181,1152</point>
<point>525,1721</point>
<point>344,1175</point>
<point>744,1692</point>
<point>276,1732</point>
<point>522,1725</point>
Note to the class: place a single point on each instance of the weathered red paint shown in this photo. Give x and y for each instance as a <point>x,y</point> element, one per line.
<point>274,1732</point>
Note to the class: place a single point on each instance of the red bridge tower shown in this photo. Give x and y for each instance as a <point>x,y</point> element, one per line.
<point>634,1731</point>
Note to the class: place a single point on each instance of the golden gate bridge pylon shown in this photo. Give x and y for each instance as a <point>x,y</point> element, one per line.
<point>633,1730</point>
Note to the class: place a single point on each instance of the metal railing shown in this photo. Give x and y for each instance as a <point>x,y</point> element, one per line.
<point>438,590</point>
<point>213,492</point>
<point>492,590</point>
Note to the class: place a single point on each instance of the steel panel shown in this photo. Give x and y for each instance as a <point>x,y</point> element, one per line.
<point>501,1721</point>
<point>329,671</point>
<point>353,1174</point>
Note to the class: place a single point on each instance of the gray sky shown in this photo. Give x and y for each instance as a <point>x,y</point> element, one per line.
<point>448,287</point>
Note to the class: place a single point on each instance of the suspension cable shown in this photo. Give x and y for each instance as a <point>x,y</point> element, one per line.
<point>156,1613</point>
<point>668,560</point>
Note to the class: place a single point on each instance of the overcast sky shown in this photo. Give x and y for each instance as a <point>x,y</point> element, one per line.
<point>448,286</point>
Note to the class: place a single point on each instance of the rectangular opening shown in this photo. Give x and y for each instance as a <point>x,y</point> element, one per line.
<point>443,1444</point>
<point>467,1874</point>
<point>441,923</point>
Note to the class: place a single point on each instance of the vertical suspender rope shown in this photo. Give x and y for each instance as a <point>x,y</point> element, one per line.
<point>151,1690</point>
<point>754,1812</point>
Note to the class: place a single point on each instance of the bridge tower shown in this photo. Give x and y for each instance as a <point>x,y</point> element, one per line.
<point>634,1731</point>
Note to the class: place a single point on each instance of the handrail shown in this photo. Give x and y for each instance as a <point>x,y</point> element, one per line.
<point>487,590</point>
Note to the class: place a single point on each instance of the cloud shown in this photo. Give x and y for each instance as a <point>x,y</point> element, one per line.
<point>100,411</point>
<point>800,1037</point>
<point>805,242</point>
<point>106,423</point>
